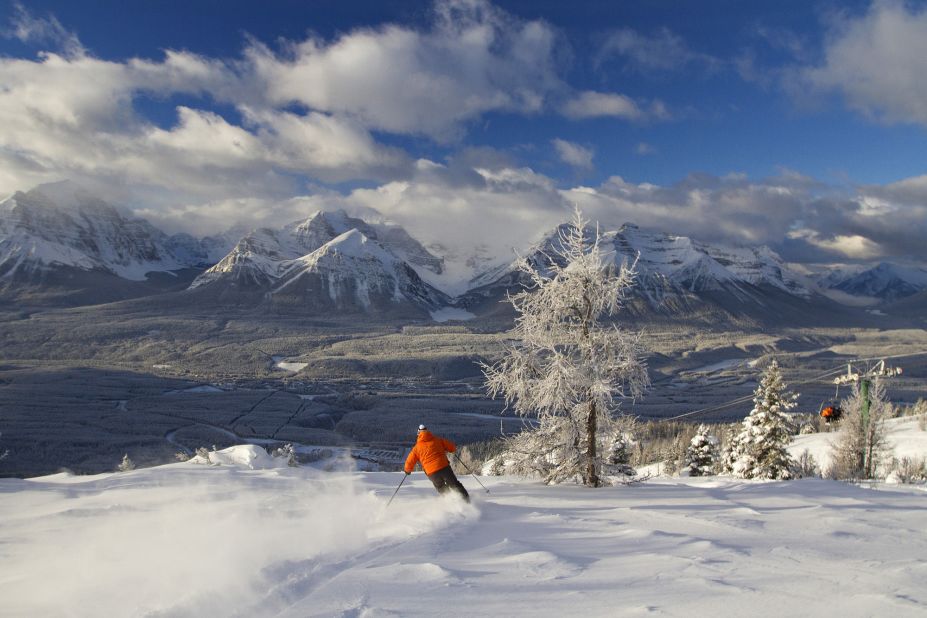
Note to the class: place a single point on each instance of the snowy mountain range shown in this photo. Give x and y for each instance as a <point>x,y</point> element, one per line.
<point>672,271</point>
<point>886,281</point>
<point>332,260</point>
<point>63,226</point>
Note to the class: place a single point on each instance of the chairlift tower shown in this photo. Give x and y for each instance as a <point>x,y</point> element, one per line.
<point>864,379</point>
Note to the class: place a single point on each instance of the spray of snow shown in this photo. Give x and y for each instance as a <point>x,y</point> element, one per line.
<point>189,539</point>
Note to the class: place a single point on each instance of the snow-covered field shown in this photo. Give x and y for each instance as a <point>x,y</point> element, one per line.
<point>188,539</point>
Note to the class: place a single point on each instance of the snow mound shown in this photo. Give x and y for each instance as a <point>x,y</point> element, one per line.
<point>244,456</point>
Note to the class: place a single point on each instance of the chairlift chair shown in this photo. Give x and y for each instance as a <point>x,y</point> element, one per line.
<point>830,411</point>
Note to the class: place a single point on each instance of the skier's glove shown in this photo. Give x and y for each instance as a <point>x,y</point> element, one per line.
<point>407,473</point>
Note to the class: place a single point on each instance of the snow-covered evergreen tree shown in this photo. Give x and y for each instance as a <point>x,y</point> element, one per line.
<point>702,454</point>
<point>759,451</point>
<point>618,458</point>
<point>568,367</point>
<point>859,450</point>
<point>126,464</point>
<point>731,448</point>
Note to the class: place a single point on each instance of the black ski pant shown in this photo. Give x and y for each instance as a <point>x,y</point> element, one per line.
<point>445,480</point>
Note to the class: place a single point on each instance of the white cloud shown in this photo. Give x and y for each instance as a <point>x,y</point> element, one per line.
<point>643,148</point>
<point>504,207</point>
<point>473,59</point>
<point>876,61</point>
<point>854,247</point>
<point>662,51</point>
<point>307,112</point>
<point>74,117</point>
<point>573,154</point>
<point>28,28</point>
<point>590,104</point>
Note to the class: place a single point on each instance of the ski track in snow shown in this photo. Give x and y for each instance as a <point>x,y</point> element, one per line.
<point>188,540</point>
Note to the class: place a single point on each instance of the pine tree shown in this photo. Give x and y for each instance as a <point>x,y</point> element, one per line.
<point>760,449</point>
<point>568,368</point>
<point>702,453</point>
<point>731,450</point>
<point>126,464</point>
<point>859,450</point>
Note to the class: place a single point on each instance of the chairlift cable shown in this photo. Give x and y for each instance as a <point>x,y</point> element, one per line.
<point>831,372</point>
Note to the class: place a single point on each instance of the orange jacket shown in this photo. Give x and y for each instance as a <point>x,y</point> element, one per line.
<point>429,450</point>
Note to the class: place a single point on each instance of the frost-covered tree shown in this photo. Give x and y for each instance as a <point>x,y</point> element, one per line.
<point>287,451</point>
<point>126,464</point>
<point>702,453</point>
<point>860,448</point>
<point>568,366</point>
<point>759,451</point>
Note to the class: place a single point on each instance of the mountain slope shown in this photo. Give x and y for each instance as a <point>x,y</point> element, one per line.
<point>353,272</point>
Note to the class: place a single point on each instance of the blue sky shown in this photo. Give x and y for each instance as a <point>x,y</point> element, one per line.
<point>798,124</point>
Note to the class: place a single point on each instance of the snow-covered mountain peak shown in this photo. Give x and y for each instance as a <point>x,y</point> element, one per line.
<point>262,257</point>
<point>355,244</point>
<point>63,194</point>
<point>322,226</point>
<point>353,270</point>
<point>885,281</point>
<point>63,225</point>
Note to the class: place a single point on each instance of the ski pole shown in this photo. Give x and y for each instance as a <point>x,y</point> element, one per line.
<point>470,471</point>
<point>397,489</point>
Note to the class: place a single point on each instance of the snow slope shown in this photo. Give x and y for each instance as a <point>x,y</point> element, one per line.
<point>904,438</point>
<point>248,538</point>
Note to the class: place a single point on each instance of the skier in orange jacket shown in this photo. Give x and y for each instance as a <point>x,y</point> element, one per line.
<point>429,450</point>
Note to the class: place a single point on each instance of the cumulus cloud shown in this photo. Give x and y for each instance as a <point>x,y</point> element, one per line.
<point>473,59</point>
<point>876,62</point>
<point>304,113</point>
<point>74,117</point>
<point>573,154</point>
